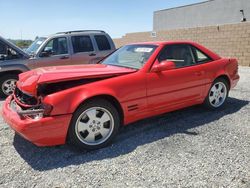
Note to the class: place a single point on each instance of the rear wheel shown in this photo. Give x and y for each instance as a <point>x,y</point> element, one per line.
<point>94,125</point>
<point>218,94</point>
<point>8,84</point>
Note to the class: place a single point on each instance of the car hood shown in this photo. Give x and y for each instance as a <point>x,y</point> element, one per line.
<point>29,81</point>
<point>13,46</point>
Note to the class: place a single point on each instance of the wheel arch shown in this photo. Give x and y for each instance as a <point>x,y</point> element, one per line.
<point>225,77</point>
<point>219,76</point>
<point>206,100</point>
<point>13,69</point>
<point>14,72</point>
<point>110,98</point>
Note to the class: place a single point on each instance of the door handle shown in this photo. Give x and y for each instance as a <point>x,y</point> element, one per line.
<point>64,57</point>
<point>92,54</point>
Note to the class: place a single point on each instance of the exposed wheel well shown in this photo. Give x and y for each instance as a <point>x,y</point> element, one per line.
<point>110,99</point>
<point>15,72</point>
<point>225,77</point>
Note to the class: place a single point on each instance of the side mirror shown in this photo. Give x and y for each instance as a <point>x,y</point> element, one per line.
<point>163,66</point>
<point>46,53</point>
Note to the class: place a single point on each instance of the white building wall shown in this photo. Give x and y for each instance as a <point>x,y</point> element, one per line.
<point>213,12</point>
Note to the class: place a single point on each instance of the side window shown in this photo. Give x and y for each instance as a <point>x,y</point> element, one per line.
<point>82,44</point>
<point>3,51</point>
<point>56,46</point>
<point>3,48</point>
<point>102,42</point>
<point>7,53</point>
<point>200,56</point>
<point>180,54</point>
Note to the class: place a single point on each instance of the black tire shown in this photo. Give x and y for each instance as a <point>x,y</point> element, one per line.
<point>207,103</point>
<point>73,135</point>
<point>3,79</point>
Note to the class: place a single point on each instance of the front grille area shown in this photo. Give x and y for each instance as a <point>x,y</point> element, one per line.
<point>25,98</point>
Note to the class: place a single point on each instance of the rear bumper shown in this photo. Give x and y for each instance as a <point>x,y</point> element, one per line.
<point>235,80</point>
<point>47,131</point>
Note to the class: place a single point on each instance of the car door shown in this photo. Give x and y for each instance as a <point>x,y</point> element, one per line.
<point>103,46</point>
<point>84,51</point>
<point>178,87</point>
<point>55,52</point>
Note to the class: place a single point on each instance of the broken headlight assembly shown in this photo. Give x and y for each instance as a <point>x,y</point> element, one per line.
<point>35,112</point>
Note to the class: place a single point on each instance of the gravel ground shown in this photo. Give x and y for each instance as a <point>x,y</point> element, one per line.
<point>193,147</point>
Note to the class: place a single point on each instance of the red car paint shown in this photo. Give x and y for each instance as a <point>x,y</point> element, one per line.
<point>28,81</point>
<point>140,94</point>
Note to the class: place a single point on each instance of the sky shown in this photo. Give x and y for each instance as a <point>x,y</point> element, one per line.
<point>26,19</point>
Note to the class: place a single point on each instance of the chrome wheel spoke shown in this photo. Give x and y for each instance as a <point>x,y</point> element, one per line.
<point>211,98</point>
<point>104,131</point>
<point>217,101</point>
<point>6,84</point>
<point>91,114</point>
<point>7,90</point>
<point>13,82</point>
<point>213,89</point>
<point>220,87</point>
<point>105,117</point>
<point>90,137</point>
<point>83,126</point>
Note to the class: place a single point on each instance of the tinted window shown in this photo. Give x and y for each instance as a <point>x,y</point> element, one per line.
<point>181,55</point>
<point>102,42</point>
<point>7,53</point>
<point>82,44</point>
<point>200,56</point>
<point>56,46</point>
<point>3,48</point>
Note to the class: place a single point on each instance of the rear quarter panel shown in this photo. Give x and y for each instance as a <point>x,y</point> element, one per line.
<point>221,67</point>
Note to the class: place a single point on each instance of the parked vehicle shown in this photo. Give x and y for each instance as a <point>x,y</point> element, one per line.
<point>86,104</point>
<point>65,48</point>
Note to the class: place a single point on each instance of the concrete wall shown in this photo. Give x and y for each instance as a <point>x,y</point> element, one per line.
<point>208,13</point>
<point>231,40</point>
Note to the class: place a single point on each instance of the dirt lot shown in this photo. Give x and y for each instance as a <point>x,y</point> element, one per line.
<point>193,147</point>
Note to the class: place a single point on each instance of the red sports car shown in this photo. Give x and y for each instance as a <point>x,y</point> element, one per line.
<point>86,104</point>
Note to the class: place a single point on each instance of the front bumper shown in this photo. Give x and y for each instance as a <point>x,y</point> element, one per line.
<point>47,131</point>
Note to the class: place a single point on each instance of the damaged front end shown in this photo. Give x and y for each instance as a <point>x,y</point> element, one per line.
<point>28,106</point>
<point>33,86</point>
<point>33,106</point>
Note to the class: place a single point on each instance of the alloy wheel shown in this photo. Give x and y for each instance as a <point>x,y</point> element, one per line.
<point>218,94</point>
<point>94,126</point>
<point>8,86</point>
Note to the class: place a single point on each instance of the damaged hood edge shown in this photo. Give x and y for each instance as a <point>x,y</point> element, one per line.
<point>29,81</point>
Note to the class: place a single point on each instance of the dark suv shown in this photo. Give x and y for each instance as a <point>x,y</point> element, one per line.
<point>64,48</point>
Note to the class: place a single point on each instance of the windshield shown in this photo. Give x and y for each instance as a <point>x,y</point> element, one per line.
<point>131,56</point>
<point>35,45</point>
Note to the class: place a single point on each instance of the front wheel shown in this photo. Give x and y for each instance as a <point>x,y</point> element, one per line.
<point>8,84</point>
<point>218,94</point>
<point>94,125</point>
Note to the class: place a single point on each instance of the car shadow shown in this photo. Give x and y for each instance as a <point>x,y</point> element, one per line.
<point>130,137</point>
